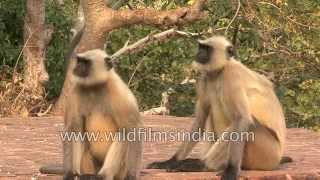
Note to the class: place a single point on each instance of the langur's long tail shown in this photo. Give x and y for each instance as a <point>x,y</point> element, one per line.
<point>285,159</point>
<point>52,169</point>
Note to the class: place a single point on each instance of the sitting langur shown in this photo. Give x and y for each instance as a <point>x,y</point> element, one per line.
<point>232,99</point>
<point>100,102</point>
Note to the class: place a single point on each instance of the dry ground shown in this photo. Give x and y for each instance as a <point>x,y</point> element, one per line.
<point>26,144</point>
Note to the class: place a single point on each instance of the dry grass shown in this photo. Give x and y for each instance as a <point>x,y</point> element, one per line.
<point>16,100</point>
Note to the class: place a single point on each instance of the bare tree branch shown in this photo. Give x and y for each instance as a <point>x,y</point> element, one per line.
<point>100,19</point>
<point>234,17</point>
<point>167,18</point>
<point>80,21</point>
<point>48,34</point>
<point>142,43</point>
<point>92,7</point>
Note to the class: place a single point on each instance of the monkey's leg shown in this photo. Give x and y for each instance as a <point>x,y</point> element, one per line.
<point>196,165</point>
<point>202,111</point>
<point>182,152</point>
<point>264,153</point>
<point>227,153</point>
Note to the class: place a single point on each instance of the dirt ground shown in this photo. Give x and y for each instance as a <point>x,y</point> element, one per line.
<point>26,144</point>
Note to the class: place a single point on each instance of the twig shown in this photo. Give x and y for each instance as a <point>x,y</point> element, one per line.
<point>18,96</point>
<point>264,55</point>
<point>234,17</point>
<point>270,5</point>
<point>287,17</point>
<point>129,6</point>
<point>235,35</point>
<point>45,112</point>
<point>134,72</point>
<point>190,34</point>
<point>20,54</point>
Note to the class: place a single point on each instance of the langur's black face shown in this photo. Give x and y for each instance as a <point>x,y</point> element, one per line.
<point>91,68</point>
<point>213,54</point>
<point>204,53</point>
<point>83,67</point>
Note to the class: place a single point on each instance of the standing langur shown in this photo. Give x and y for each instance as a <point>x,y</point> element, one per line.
<point>100,103</point>
<point>232,99</point>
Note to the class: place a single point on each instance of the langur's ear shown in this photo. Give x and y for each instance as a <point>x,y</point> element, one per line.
<point>231,52</point>
<point>109,63</point>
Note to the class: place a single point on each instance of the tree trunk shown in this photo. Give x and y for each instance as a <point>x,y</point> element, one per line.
<point>101,19</point>
<point>35,73</point>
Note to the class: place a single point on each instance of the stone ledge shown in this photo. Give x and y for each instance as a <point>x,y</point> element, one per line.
<point>26,144</point>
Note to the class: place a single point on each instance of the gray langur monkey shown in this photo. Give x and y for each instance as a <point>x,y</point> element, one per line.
<point>232,99</point>
<point>100,102</point>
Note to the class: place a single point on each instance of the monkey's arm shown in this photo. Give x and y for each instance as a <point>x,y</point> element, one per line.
<point>202,112</point>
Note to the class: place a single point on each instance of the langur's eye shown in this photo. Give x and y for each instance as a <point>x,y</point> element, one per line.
<point>83,61</point>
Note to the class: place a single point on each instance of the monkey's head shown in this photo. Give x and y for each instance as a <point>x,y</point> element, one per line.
<point>213,54</point>
<point>92,68</point>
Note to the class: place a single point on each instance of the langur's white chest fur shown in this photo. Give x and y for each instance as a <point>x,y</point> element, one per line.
<point>220,120</point>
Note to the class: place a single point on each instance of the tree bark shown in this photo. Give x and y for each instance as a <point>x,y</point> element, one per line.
<point>101,19</point>
<point>35,39</point>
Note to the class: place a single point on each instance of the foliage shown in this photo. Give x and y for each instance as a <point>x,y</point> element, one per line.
<point>285,39</point>
<point>275,37</point>
<point>11,31</point>
<point>158,68</point>
<point>61,18</point>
